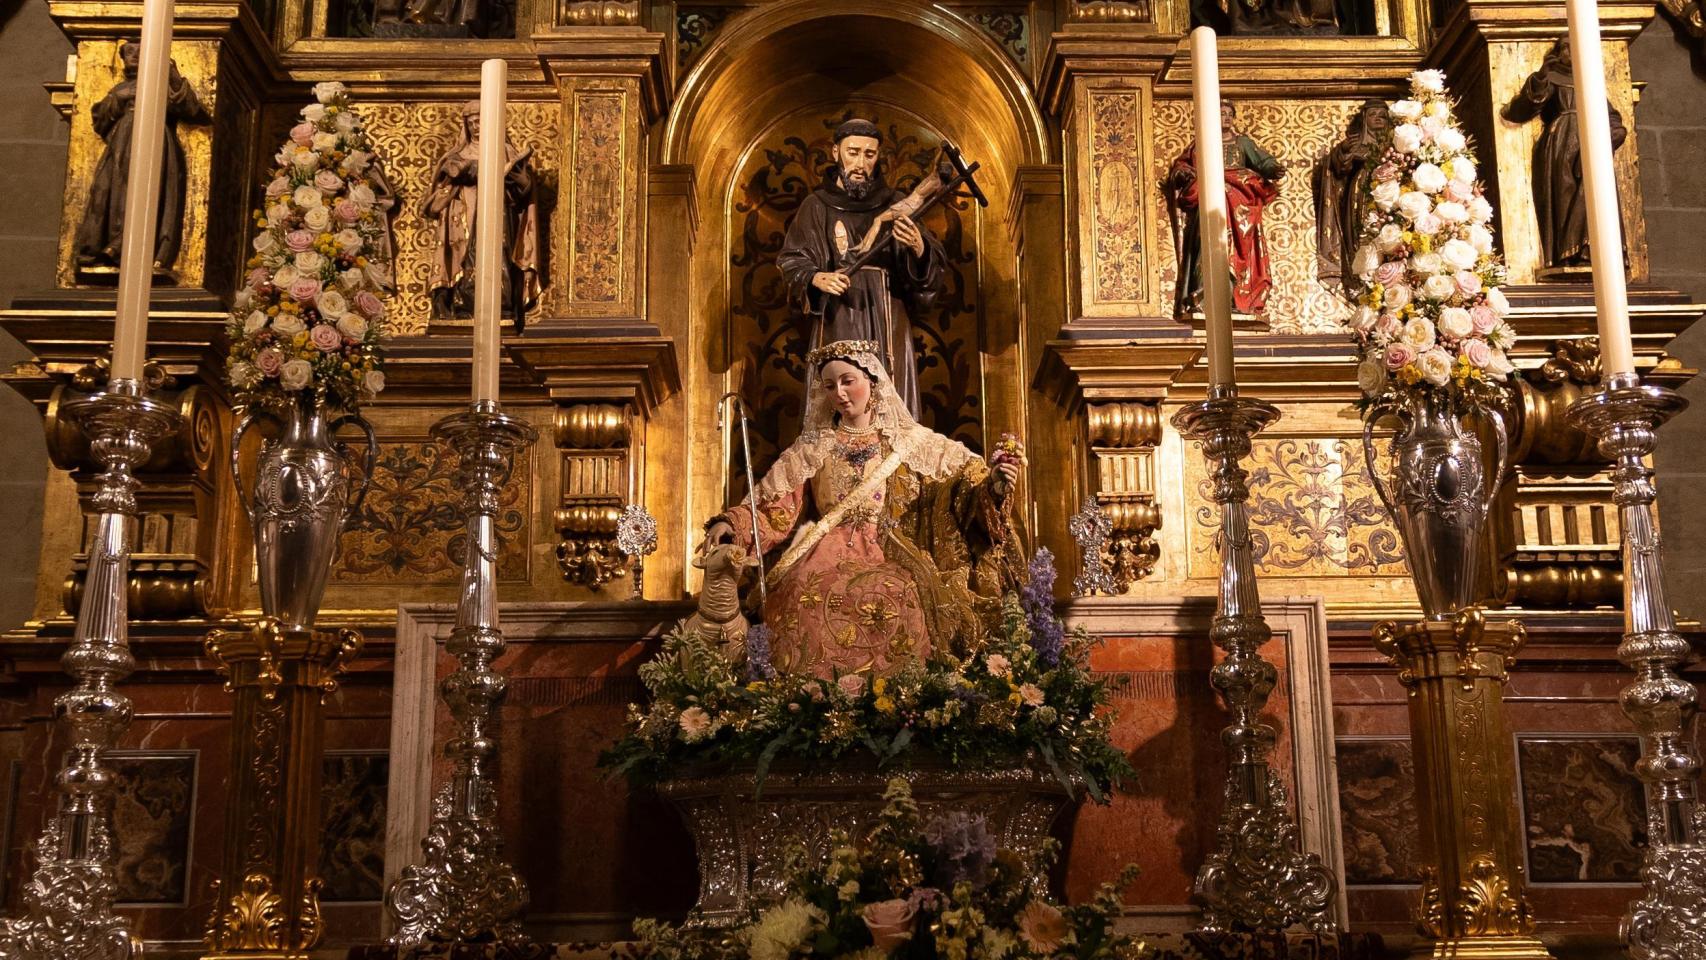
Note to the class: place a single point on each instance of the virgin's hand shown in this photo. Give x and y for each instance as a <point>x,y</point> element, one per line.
<point>1006,474</point>
<point>720,532</point>
<point>908,233</point>
<point>834,284</point>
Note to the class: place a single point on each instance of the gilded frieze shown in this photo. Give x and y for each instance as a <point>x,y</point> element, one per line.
<point>598,218</point>
<point>1298,133</point>
<point>410,138</point>
<point>1116,221</point>
<point>411,524</point>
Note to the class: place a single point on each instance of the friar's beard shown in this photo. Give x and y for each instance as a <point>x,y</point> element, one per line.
<point>857,189</point>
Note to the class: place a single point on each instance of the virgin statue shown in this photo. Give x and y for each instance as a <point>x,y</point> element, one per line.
<point>899,540</point>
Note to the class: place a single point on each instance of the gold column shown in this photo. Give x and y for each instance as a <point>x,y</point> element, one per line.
<point>672,442</point>
<point>1473,902</point>
<point>1122,455</point>
<point>266,901</point>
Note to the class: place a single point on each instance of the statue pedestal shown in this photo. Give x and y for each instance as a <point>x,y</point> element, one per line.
<point>743,839</point>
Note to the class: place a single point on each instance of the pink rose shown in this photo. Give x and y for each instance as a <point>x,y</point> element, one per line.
<point>269,361</point>
<point>1485,318</point>
<point>369,305</point>
<point>851,684</point>
<point>259,278</point>
<point>303,133</point>
<point>326,337</point>
<point>1468,283</point>
<point>328,181</point>
<point>1428,223</point>
<point>278,187</point>
<point>1399,355</point>
<point>1459,191</point>
<point>1386,171</point>
<point>1388,327</point>
<point>1042,926</point>
<point>299,240</point>
<point>1389,272</point>
<point>1478,353</point>
<point>890,922</point>
<point>347,212</point>
<point>304,289</point>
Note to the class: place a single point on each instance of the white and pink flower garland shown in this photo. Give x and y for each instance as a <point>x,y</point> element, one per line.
<point>1430,315</point>
<point>311,312</point>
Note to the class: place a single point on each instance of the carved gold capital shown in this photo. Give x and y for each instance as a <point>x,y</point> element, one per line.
<point>268,656</point>
<point>255,922</point>
<point>601,13</point>
<point>1465,648</point>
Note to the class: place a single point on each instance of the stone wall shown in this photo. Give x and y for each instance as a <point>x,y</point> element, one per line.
<point>1671,121</point>
<point>32,141</point>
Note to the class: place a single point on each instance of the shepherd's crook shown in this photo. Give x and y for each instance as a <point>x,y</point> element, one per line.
<point>751,487</point>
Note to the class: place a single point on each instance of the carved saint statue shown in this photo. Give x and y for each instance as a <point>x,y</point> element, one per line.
<point>1280,17</point>
<point>840,221</point>
<point>898,539</point>
<point>452,203</point>
<point>1341,194</point>
<point>443,18</point>
<point>1560,201</point>
<point>1251,177</point>
<point>101,232</point>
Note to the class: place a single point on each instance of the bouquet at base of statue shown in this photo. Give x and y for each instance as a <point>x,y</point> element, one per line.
<point>311,312</point>
<point>1430,317</point>
<point>1025,698</point>
<point>912,889</point>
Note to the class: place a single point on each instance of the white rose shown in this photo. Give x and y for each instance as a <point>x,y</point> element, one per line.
<point>295,375</point>
<point>264,241</point>
<point>278,213</point>
<point>1480,210</point>
<point>317,218</point>
<point>314,112</point>
<point>345,122</point>
<point>305,159</point>
<point>1440,286</point>
<point>254,323</point>
<point>373,381</point>
<point>331,304</point>
<point>1426,264</point>
<point>288,325</point>
<point>1385,194</point>
<point>1371,375</point>
<point>1436,367</point>
<point>1413,204</point>
<point>307,197</point>
<point>1428,81</point>
<point>1390,237</point>
<point>328,90</point>
<point>1481,239</point>
<point>349,241</point>
<point>1462,169</point>
<point>1452,212</point>
<point>1451,140</point>
<point>285,275</point>
<point>1406,138</point>
<point>1459,253</point>
<point>362,196</point>
<point>323,141</point>
<point>352,326</point>
<point>310,263</point>
<point>1454,322</point>
<point>1496,300</point>
<point>1428,178</point>
<point>1419,333</point>
<point>1366,261</point>
<point>1406,110</point>
<point>1500,364</point>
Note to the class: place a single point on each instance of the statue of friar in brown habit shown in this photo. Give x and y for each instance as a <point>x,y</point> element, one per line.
<point>840,223</point>
<point>102,230</point>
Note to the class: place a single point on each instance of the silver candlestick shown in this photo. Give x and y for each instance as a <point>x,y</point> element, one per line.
<point>69,901</point>
<point>464,890</point>
<point>1669,921</point>
<point>1258,879</point>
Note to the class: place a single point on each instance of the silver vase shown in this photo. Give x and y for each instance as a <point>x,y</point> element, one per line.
<point>1438,494</point>
<point>304,488</point>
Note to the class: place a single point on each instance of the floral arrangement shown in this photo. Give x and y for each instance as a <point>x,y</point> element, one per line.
<point>311,312</point>
<point>1026,695</point>
<point>1430,317</point>
<point>913,889</point>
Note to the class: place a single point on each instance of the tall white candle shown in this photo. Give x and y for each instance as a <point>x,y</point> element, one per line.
<point>1605,238</point>
<point>488,229</point>
<point>1211,206</point>
<point>142,192</point>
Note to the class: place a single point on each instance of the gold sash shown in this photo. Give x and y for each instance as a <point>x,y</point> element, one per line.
<point>814,531</point>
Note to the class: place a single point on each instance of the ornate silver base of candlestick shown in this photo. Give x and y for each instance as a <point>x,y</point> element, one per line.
<point>1669,921</point>
<point>1258,879</point>
<point>69,901</point>
<point>464,890</point>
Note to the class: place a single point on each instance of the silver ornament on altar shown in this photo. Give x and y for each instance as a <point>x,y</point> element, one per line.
<point>68,902</point>
<point>1090,528</point>
<point>463,890</point>
<point>1668,922</point>
<point>637,537</point>
<point>1258,878</point>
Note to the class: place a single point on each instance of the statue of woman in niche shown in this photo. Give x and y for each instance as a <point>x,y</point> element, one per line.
<point>1560,201</point>
<point>1341,194</point>
<point>912,545</point>
<point>452,204</point>
<point>101,232</point>
<point>1252,175</point>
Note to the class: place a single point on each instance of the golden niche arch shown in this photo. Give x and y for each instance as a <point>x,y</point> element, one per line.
<point>753,121</point>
